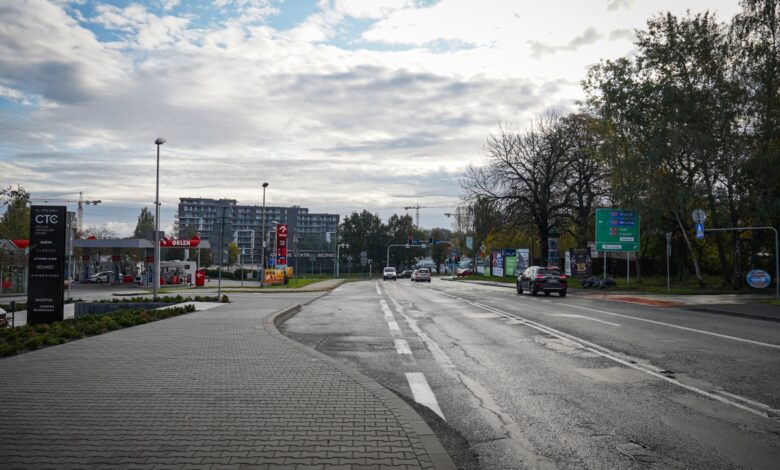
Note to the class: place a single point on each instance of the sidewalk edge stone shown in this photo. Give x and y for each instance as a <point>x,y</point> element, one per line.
<point>414,422</point>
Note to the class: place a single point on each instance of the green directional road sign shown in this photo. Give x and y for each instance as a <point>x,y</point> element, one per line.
<point>617,230</point>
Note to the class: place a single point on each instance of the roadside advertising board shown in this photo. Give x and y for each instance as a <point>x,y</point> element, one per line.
<point>617,230</point>
<point>581,262</point>
<point>46,273</point>
<point>510,261</point>
<point>498,263</point>
<point>523,259</point>
<point>281,244</point>
<point>470,243</point>
<point>567,263</point>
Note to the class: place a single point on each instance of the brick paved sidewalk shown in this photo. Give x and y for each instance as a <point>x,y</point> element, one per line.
<point>215,389</point>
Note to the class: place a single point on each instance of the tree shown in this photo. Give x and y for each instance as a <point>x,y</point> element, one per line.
<point>15,222</point>
<point>145,224</point>
<point>364,231</point>
<point>101,232</point>
<point>233,251</point>
<point>527,175</point>
<point>588,176</point>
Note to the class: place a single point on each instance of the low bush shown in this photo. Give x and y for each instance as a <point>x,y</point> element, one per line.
<point>30,337</point>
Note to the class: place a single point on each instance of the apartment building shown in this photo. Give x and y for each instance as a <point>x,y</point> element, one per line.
<point>208,215</point>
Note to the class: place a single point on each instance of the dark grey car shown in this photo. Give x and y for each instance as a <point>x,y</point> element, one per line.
<point>542,279</point>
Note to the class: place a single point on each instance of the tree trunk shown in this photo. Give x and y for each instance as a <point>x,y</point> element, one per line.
<point>684,233</point>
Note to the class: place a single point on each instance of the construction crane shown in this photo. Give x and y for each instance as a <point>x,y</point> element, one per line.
<point>417,208</point>
<point>80,202</point>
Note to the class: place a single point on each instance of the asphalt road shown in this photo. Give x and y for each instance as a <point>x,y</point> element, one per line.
<point>548,382</point>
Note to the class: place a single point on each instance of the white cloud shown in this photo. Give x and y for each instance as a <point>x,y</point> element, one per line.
<point>239,102</point>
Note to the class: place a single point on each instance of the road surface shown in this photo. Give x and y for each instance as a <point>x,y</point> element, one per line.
<point>548,382</point>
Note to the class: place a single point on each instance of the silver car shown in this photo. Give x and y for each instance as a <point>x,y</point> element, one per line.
<point>423,275</point>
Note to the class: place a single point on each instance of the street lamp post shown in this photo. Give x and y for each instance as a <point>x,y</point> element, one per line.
<point>262,250</point>
<point>157,142</point>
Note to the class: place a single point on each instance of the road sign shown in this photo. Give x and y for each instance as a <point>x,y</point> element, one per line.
<point>699,231</point>
<point>470,243</point>
<point>617,230</point>
<point>349,257</point>
<point>699,216</point>
<point>363,254</point>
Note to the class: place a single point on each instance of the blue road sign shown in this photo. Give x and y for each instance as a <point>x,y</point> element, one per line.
<point>699,231</point>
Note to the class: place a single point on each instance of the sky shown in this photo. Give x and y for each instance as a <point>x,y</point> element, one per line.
<point>340,105</point>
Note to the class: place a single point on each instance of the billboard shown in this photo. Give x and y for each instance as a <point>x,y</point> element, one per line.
<point>617,230</point>
<point>498,263</point>
<point>510,262</point>
<point>46,273</point>
<point>281,244</point>
<point>523,259</point>
<point>581,262</point>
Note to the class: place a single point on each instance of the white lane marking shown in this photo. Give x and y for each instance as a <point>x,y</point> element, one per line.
<point>671,325</point>
<point>422,392</point>
<point>394,328</point>
<point>386,310</point>
<point>765,412</point>
<point>743,399</point>
<point>572,315</point>
<point>402,346</point>
<point>379,292</point>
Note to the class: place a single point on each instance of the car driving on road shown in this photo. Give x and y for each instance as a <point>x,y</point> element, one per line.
<point>542,279</point>
<point>422,275</point>
<point>389,273</point>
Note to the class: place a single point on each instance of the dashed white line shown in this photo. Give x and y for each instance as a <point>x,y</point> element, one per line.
<point>422,392</point>
<point>394,328</point>
<point>402,346</point>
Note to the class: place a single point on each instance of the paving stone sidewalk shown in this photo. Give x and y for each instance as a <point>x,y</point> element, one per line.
<point>220,388</point>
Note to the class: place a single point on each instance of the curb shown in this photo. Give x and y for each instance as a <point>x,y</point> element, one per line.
<point>731,314</point>
<point>405,413</point>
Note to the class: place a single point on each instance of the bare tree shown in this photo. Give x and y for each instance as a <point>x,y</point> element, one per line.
<point>527,175</point>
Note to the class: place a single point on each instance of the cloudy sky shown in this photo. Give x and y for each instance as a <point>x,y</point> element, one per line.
<point>340,105</point>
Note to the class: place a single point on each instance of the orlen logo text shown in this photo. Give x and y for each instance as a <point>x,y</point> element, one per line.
<point>46,219</point>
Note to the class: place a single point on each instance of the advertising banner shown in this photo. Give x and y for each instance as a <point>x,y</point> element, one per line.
<point>281,244</point>
<point>470,243</point>
<point>498,264</point>
<point>581,262</point>
<point>523,260</point>
<point>46,273</point>
<point>567,263</point>
<point>510,262</point>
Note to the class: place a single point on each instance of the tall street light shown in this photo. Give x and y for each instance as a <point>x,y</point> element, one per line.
<point>157,142</point>
<point>262,251</point>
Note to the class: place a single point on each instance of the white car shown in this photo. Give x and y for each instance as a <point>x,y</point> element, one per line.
<point>389,273</point>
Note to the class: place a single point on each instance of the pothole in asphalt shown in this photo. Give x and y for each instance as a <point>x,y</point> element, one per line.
<point>616,375</point>
<point>564,346</point>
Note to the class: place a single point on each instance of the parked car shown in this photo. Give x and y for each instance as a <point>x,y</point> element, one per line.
<point>422,275</point>
<point>102,277</point>
<point>406,273</point>
<point>542,279</point>
<point>389,273</point>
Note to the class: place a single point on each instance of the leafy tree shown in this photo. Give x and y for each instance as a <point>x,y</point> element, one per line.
<point>145,223</point>
<point>233,251</point>
<point>15,222</point>
<point>364,231</point>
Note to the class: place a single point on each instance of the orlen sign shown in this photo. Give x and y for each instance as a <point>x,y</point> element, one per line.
<point>174,243</point>
<point>281,244</point>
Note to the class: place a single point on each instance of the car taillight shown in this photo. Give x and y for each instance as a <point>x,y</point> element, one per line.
<point>563,278</point>
<point>540,276</point>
